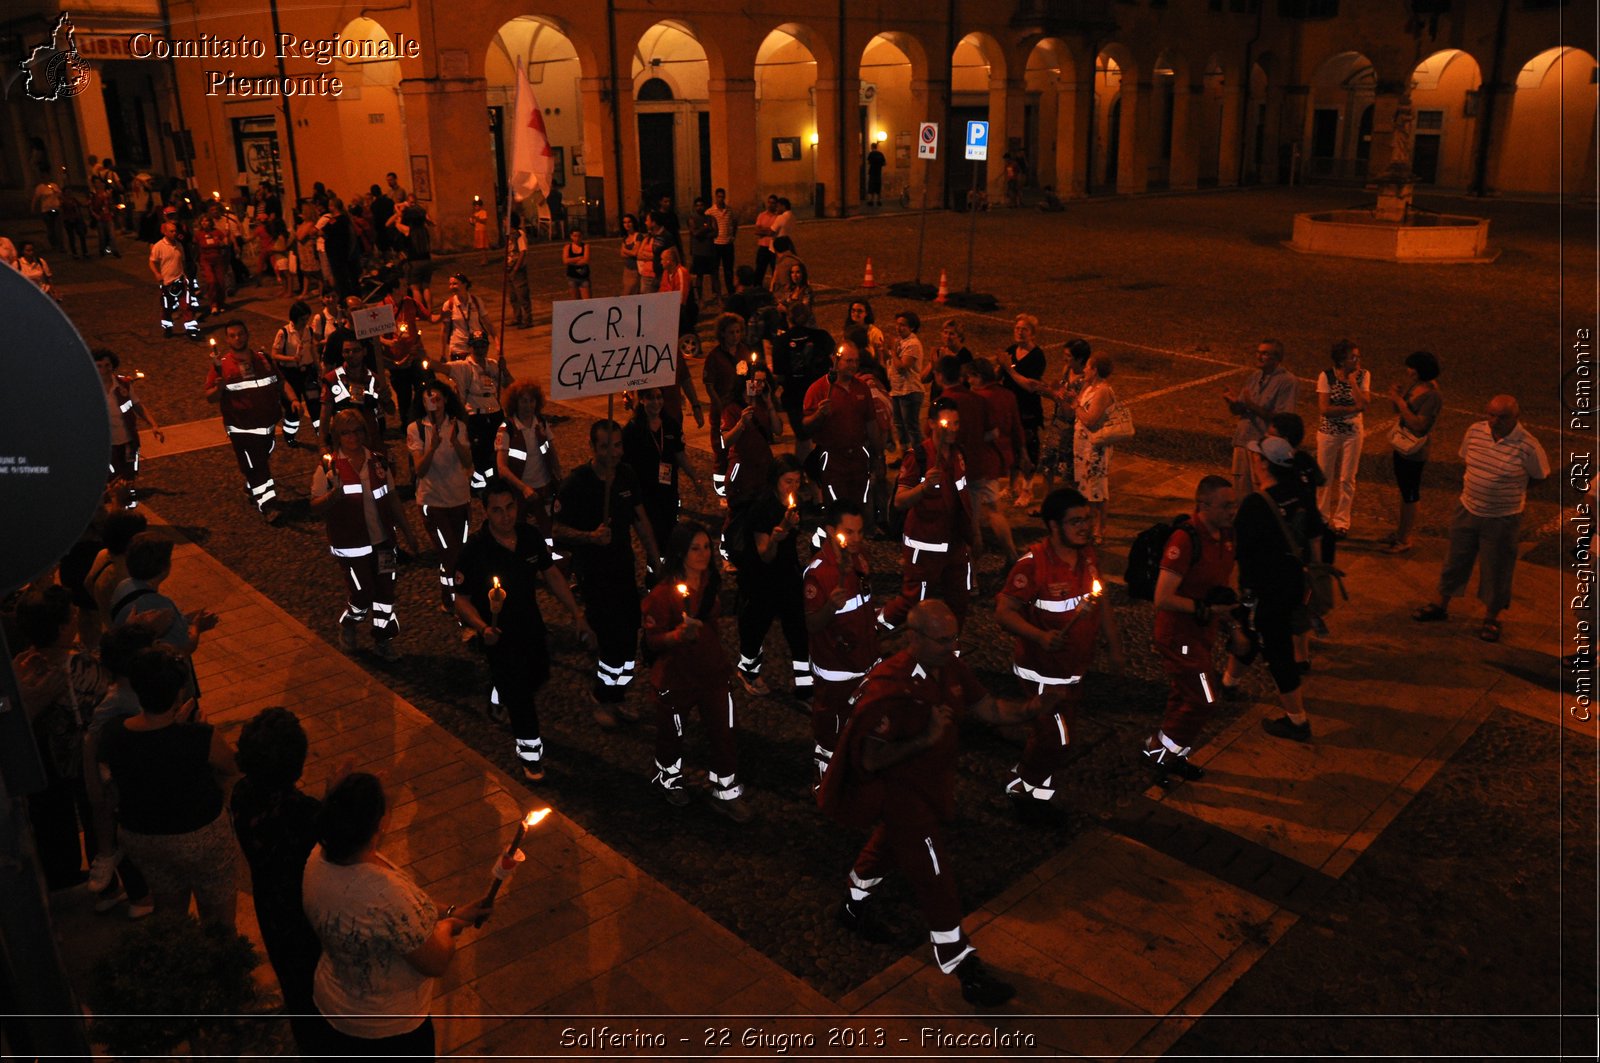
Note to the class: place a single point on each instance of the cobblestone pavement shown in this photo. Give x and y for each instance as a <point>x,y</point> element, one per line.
<point>1178,288</point>
<point>774,882</point>
<point>1445,978</point>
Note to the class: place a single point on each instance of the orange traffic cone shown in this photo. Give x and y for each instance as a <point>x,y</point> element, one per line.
<point>867,281</point>
<point>944,289</point>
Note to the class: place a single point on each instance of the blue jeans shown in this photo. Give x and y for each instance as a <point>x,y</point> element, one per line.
<point>908,417</point>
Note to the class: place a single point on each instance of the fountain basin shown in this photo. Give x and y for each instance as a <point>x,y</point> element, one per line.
<point>1421,237</point>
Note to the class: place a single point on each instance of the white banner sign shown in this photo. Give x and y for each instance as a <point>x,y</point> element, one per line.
<point>377,320</point>
<point>601,346</point>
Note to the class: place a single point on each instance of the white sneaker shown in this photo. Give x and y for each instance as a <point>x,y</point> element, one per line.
<point>102,870</point>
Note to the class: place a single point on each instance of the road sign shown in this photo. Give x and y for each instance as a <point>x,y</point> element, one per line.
<point>928,140</point>
<point>977,141</point>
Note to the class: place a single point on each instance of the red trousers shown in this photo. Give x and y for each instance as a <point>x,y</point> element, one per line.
<point>1193,694</point>
<point>370,592</point>
<point>714,703</point>
<point>947,575</point>
<point>911,838</point>
<point>830,708</point>
<point>1046,750</point>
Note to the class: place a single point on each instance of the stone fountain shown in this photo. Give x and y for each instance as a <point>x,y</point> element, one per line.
<point>1393,230</point>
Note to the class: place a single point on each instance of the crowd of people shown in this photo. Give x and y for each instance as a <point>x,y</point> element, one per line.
<point>819,442</point>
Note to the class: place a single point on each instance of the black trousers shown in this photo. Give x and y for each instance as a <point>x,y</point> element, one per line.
<point>480,434</point>
<point>763,599</point>
<point>518,668</point>
<point>612,609</point>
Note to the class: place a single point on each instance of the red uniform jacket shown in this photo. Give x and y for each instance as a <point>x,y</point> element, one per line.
<point>942,514</point>
<point>894,703</point>
<point>249,403</point>
<point>1000,454</point>
<point>696,665</point>
<point>1214,568</point>
<point>1055,595</point>
<point>347,516</point>
<point>848,646</point>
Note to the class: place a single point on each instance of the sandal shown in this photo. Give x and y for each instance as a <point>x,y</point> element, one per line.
<point>1490,632</point>
<point>1429,613</point>
<point>1397,547</point>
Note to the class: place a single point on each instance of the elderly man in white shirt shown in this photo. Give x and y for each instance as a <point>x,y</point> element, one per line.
<point>1501,460</point>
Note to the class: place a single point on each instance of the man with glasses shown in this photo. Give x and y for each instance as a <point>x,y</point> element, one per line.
<point>894,771</point>
<point>1270,389</point>
<point>1053,604</point>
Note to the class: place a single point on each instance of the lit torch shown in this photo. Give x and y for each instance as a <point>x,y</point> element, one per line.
<point>510,859</point>
<point>497,602</point>
<point>1095,590</point>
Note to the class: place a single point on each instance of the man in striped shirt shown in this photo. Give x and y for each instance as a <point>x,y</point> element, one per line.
<point>727,223</point>
<point>1501,459</point>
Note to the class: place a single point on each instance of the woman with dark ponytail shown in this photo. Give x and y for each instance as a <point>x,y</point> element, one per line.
<point>690,670</point>
<point>384,941</point>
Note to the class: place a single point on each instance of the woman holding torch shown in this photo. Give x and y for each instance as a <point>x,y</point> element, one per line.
<point>690,670</point>
<point>384,940</point>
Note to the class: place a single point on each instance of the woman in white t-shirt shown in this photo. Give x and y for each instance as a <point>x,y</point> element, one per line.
<point>1343,392</point>
<point>904,363</point>
<point>441,453</point>
<point>384,941</point>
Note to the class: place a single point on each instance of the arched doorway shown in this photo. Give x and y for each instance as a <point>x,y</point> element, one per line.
<point>1165,79</point>
<point>1051,119</point>
<point>1110,65</point>
<point>1255,153</point>
<point>671,90</point>
<point>977,83</point>
<point>786,117</point>
<point>369,114</point>
<point>554,75</point>
<point>885,105</point>
<point>1444,125</point>
<point>1549,142</point>
<point>1341,91</point>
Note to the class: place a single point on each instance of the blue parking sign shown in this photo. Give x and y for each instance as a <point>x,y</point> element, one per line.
<point>978,140</point>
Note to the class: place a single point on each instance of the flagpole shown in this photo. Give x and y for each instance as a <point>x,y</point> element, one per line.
<point>511,200</point>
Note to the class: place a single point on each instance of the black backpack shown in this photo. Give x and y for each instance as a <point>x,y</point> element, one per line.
<point>1144,557</point>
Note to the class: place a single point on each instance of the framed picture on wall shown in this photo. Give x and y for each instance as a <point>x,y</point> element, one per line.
<point>421,183</point>
<point>785,149</point>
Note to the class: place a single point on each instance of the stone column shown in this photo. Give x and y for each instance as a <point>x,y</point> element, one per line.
<point>1496,107</point>
<point>733,138</point>
<point>1133,150</point>
<point>1288,118</point>
<point>94,128</point>
<point>442,116</point>
<point>598,159</point>
<point>831,140</point>
<point>1229,136</point>
<point>1183,170</point>
<point>1074,100</point>
<point>1007,100</point>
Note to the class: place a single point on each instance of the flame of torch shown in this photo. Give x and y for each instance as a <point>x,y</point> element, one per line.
<point>508,862</point>
<point>1095,590</point>
<point>683,589</point>
<point>497,601</point>
<point>791,500</point>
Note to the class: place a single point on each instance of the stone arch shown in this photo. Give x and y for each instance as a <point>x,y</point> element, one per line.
<point>1549,142</point>
<point>369,113</point>
<point>894,67</point>
<point>1115,73</point>
<point>1339,119</point>
<point>1171,154</point>
<point>787,73</point>
<point>1444,93</point>
<point>1057,110</point>
<point>555,68</point>
<point>673,136</point>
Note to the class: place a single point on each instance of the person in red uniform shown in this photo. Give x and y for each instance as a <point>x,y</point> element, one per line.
<point>690,671</point>
<point>750,426</point>
<point>244,384</point>
<point>839,418</point>
<point>351,489</point>
<point>1004,445</point>
<point>1191,599</point>
<point>723,385</point>
<point>894,771</point>
<point>932,489</point>
<point>1053,605</point>
<point>211,244</point>
<point>839,618</point>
